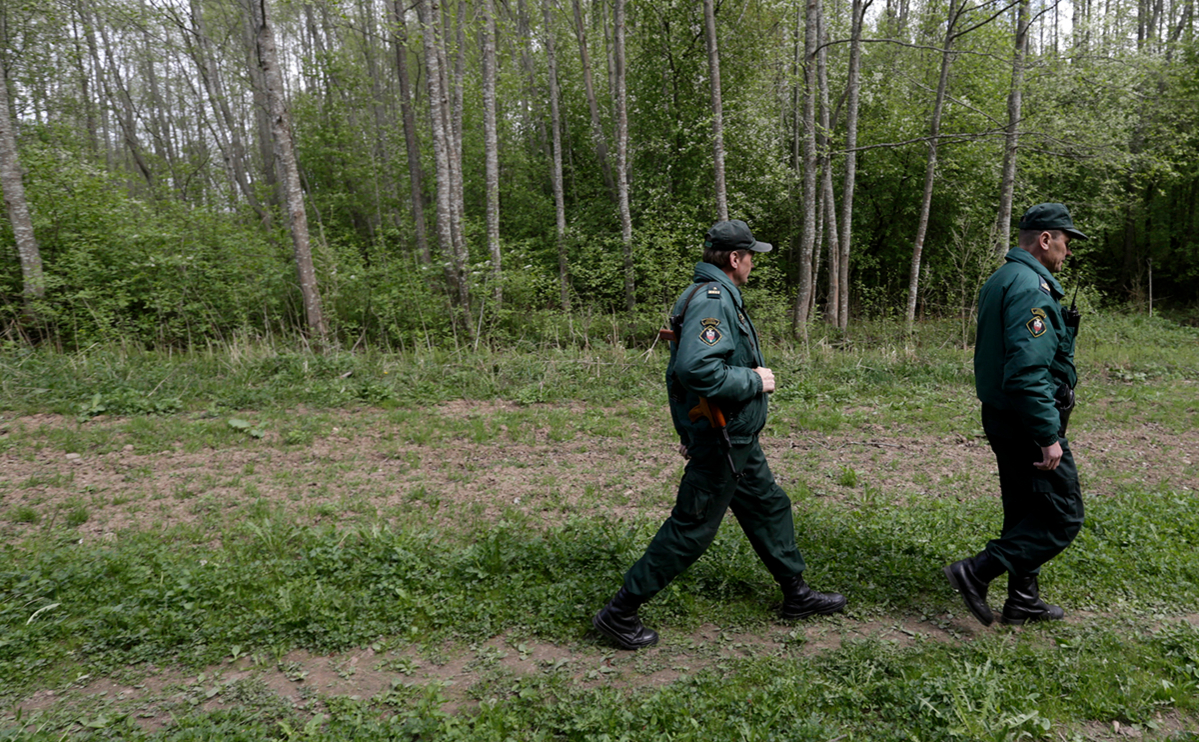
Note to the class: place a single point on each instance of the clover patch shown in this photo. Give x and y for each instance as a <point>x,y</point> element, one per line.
<point>710,334</point>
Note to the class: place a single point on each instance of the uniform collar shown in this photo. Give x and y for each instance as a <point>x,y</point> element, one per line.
<point>1020,255</point>
<point>705,272</point>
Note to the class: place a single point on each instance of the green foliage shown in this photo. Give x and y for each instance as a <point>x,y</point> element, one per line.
<point>119,268</point>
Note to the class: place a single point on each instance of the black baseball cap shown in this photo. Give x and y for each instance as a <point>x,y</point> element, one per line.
<point>734,235</point>
<point>1050,216</point>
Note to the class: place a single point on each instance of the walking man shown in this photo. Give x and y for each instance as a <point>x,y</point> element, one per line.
<point>1024,375</point>
<point>717,386</point>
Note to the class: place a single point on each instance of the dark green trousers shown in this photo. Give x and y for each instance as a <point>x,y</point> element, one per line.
<point>708,489</point>
<point>1042,510</point>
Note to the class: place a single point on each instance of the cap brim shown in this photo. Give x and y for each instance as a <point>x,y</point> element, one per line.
<point>767,247</point>
<point>1075,233</point>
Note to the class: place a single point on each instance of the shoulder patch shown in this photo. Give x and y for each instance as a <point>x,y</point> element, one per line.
<point>714,292</point>
<point>1038,312</point>
<point>1045,286</point>
<point>710,334</point>
<point>1037,326</point>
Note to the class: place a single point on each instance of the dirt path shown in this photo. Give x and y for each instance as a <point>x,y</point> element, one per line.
<point>357,467</point>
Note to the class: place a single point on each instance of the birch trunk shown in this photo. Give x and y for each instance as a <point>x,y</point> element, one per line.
<point>828,198</point>
<point>556,170</point>
<point>799,319</point>
<point>930,170</point>
<point>597,129</point>
<point>228,137</point>
<point>32,276</point>
<point>1007,186</point>
<point>430,16</point>
<point>268,60</point>
<point>722,203</point>
<point>622,152</point>
<point>491,148</point>
<point>411,145</point>
<point>853,94</point>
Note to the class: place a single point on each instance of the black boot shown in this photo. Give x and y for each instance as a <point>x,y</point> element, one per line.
<point>970,577</point>
<point>1024,604</point>
<point>619,622</point>
<point>801,601</point>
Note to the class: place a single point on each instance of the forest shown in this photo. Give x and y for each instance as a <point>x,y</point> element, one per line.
<point>177,172</point>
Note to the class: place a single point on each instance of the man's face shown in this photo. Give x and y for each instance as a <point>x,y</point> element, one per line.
<point>741,266</point>
<point>1054,249</point>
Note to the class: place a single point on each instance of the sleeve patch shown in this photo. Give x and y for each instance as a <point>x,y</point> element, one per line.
<point>710,334</point>
<point>1037,326</point>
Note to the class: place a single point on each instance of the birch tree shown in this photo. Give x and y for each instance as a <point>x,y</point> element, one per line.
<point>853,89</point>
<point>14,200</point>
<point>956,8</point>
<point>622,150</point>
<point>551,58</point>
<point>803,296</point>
<point>285,153</point>
<point>399,40</point>
<point>722,203</point>
<point>1007,186</point>
<point>491,149</point>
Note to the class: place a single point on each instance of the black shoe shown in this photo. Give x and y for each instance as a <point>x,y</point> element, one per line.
<point>1024,604</point>
<point>801,601</point>
<point>619,622</point>
<point>970,577</point>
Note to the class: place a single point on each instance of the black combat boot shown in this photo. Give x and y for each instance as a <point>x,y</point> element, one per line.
<point>970,577</point>
<point>619,622</point>
<point>1024,604</point>
<point>801,601</point>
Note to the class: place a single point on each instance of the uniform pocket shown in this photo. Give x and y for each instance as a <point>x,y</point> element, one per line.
<point>696,496</point>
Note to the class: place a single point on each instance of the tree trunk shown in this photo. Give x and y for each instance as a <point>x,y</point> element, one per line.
<point>93,51</point>
<point>268,60</point>
<point>930,170</point>
<point>14,201</point>
<point>430,16</point>
<point>262,109</point>
<point>124,111</point>
<point>722,203</point>
<point>556,171</point>
<point>1007,185</point>
<point>597,129</point>
<point>228,137</point>
<point>828,198</point>
<point>491,148</point>
<point>622,152</point>
<point>854,89</point>
<point>412,146</point>
<point>803,297</point>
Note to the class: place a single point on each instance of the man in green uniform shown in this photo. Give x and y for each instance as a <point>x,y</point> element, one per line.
<point>1024,375</point>
<point>717,385</point>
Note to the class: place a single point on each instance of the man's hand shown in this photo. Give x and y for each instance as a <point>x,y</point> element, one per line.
<point>683,450</point>
<point>1051,457</point>
<point>767,379</point>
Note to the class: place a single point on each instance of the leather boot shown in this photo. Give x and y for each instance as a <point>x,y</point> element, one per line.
<point>801,601</point>
<point>619,622</point>
<point>1024,604</point>
<point>970,577</point>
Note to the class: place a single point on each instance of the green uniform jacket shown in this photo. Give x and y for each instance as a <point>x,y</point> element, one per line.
<point>1024,350</point>
<point>714,357</point>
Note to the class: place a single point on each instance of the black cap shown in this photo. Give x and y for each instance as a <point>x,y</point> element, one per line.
<point>1050,216</point>
<point>734,235</point>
